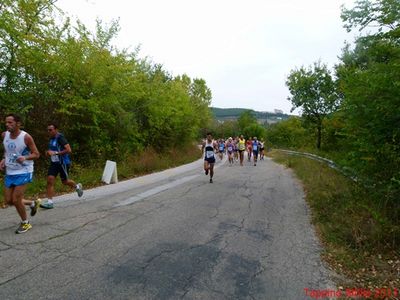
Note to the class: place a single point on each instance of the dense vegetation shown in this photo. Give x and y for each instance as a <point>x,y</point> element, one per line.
<point>107,101</point>
<point>353,115</point>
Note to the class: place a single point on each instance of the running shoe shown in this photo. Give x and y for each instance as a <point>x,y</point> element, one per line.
<point>79,190</point>
<point>35,208</point>
<point>211,180</point>
<point>47,205</point>
<point>23,227</point>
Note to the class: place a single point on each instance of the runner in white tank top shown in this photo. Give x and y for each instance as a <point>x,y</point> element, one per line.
<point>20,150</point>
<point>14,149</point>
<point>209,148</point>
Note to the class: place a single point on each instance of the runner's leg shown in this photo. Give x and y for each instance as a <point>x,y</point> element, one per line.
<point>50,186</point>
<point>8,195</point>
<point>206,167</point>
<point>17,198</point>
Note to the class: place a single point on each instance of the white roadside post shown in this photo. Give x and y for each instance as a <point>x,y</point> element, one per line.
<point>110,172</point>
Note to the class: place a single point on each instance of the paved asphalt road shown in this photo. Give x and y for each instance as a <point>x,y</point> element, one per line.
<point>169,235</point>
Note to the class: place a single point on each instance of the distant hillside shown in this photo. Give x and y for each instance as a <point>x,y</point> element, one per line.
<point>223,114</point>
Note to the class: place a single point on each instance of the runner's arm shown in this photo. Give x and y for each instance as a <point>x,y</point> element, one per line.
<point>32,147</point>
<point>216,149</point>
<point>67,149</point>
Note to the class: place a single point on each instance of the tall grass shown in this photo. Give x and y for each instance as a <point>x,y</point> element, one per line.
<point>360,240</point>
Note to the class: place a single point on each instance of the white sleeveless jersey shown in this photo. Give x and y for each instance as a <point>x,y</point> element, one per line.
<point>209,149</point>
<point>15,148</point>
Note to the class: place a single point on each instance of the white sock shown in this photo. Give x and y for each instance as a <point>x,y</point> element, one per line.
<point>50,201</point>
<point>32,204</point>
<point>25,221</point>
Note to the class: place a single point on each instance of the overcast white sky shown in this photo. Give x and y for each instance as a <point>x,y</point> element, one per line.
<point>244,50</point>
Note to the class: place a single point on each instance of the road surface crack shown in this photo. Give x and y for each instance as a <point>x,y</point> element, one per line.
<point>26,272</point>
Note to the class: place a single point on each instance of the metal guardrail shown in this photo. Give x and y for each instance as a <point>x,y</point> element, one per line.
<point>329,162</point>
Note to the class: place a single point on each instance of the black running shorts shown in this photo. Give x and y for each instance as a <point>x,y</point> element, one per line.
<point>57,168</point>
<point>210,160</point>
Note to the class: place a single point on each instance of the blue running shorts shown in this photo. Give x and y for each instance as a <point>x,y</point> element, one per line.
<point>17,180</point>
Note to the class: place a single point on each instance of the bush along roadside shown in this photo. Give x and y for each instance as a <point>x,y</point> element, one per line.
<point>358,236</point>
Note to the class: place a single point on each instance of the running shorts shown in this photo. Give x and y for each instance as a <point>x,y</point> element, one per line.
<point>210,160</point>
<point>17,180</point>
<point>57,168</point>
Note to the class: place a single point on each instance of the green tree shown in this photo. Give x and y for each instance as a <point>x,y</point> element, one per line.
<point>382,15</point>
<point>228,128</point>
<point>369,80</point>
<point>253,130</point>
<point>27,37</point>
<point>246,119</point>
<point>107,101</point>
<point>289,133</point>
<point>314,91</point>
<point>200,99</point>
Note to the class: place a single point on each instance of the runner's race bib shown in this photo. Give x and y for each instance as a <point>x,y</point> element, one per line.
<point>209,154</point>
<point>54,158</point>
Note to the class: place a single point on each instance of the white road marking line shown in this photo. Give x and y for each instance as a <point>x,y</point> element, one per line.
<point>155,191</point>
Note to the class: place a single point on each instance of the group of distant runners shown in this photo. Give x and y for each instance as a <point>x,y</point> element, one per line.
<point>234,148</point>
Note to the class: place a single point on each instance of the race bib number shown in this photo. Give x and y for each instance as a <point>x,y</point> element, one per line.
<point>11,161</point>
<point>209,154</point>
<point>54,158</point>
<point>230,149</point>
<point>255,148</point>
